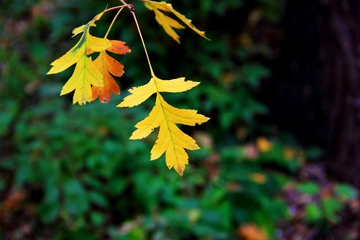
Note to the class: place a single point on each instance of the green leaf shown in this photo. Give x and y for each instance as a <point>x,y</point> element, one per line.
<point>253,73</point>
<point>97,218</point>
<point>308,188</point>
<point>49,211</point>
<point>97,198</point>
<point>331,207</point>
<point>312,212</point>
<point>75,200</point>
<point>8,112</point>
<point>345,192</point>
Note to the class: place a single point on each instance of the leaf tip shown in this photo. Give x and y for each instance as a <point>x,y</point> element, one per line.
<point>180,171</point>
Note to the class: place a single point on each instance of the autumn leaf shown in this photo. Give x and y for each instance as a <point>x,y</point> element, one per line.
<point>258,178</point>
<point>108,66</point>
<point>263,144</point>
<point>251,232</point>
<point>85,74</point>
<point>169,23</point>
<point>171,140</point>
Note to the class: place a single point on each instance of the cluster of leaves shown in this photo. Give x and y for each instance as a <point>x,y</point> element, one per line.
<point>71,173</point>
<point>93,79</point>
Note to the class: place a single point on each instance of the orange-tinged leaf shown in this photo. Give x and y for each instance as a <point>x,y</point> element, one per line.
<point>118,47</point>
<point>140,94</point>
<point>85,73</point>
<point>108,66</point>
<point>168,23</point>
<point>251,232</point>
<point>171,140</point>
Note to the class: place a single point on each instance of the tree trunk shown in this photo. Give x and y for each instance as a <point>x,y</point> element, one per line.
<point>314,92</point>
<point>340,52</point>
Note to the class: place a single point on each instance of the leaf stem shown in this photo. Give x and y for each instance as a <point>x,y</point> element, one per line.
<point>130,6</point>
<point>112,22</point>
<point>117,7</point>
<point>143,43</point>
<point>132,10</point>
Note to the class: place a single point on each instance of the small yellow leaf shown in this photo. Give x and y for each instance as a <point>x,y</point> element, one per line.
<point>258,178</point>
<point>263,144</point>
<point>168,23</point>
<point>78,30</point>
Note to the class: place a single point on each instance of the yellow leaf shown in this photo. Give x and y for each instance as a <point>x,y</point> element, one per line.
<point>258,178</point>
<point>168,23</point>
<point>289,153</point>
<point>78,30</point>
<point>263,144</point>
<point>171,139</point>
<point>140,94</point>
<point>85,73</point>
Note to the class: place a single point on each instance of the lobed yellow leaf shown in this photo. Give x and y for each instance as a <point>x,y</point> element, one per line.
<point>168,23</point>
<point>171,139</point>
<point>140,94</point>
<point>85,73</point>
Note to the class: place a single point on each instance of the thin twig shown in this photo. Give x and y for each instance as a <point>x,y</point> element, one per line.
<point>113,21</point>
<point>132,10</point>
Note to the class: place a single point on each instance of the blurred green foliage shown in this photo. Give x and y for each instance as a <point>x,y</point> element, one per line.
<point>80,176</point>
